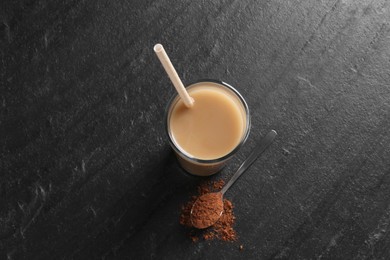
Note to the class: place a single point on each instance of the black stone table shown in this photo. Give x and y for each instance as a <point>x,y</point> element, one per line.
<point>86,171</point>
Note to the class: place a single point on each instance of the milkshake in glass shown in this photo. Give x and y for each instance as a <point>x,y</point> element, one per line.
<point>205,136</point>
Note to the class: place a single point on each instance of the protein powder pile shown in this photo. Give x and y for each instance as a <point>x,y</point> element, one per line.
<point>223,228</point>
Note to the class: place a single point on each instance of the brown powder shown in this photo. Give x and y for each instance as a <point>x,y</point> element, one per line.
<point>207,209</point>
<point>218,185</point>
<point>222,229</point>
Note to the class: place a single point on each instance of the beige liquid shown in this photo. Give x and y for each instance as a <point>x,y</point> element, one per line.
<point>213,127</point>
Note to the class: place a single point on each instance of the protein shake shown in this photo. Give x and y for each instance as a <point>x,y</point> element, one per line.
<point>206,135</point>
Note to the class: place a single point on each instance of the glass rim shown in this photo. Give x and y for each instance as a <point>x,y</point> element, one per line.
<point>183,153</point>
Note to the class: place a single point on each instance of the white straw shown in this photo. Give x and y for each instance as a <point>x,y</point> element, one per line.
<point>170,70</point>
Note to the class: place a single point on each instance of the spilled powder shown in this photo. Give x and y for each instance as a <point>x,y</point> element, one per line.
<point>222,229</point>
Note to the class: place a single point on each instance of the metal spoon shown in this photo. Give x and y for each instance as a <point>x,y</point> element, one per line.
<point>214,211</point>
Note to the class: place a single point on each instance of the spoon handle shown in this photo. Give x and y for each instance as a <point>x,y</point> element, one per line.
<point>260,148</point>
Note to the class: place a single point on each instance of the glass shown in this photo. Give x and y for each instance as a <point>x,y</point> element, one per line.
<point>203,167</point>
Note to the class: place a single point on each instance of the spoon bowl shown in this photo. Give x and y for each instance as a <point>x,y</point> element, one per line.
<point>207,209</point>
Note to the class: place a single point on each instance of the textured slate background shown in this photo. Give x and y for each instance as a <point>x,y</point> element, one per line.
<point>87,173</point>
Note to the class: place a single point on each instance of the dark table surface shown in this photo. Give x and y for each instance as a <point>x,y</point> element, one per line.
<point>86,171</point>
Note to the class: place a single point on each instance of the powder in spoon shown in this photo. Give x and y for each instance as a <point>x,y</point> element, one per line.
<point>207,210</point>
<point>222,229</point>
